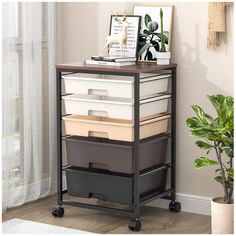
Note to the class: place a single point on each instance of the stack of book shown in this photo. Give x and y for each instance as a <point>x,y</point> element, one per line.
<point>111,61</point>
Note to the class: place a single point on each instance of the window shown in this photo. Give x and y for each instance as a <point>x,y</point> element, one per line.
<point>13,43</point>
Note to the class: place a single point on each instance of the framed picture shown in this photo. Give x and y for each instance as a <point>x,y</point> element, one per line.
<point>116,27</point>
<point>149,37</point>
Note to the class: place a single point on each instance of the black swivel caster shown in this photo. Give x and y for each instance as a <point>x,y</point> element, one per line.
<point>135,225</point>
<point>174,206</point>
<point>58,211</point>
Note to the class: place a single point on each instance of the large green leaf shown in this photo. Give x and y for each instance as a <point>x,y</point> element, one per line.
<point>193,123</point>
<point>203,162</point>
<point>224,107</point>
<point>147,19</point>
<point>204,145</point>
<point>144,48</point>
<point>202,116</point>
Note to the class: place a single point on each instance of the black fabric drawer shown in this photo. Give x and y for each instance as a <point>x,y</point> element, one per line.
<point>111,187</point>
<point>112,156</point>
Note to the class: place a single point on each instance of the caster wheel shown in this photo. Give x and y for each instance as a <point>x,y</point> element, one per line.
<point>174,206</point>
<point>58,211</point>
<point>135,225</point>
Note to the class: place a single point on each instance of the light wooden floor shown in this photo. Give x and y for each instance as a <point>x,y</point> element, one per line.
<point>154,220</point>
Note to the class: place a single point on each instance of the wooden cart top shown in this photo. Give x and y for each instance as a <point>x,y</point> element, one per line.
<point>139,67</point>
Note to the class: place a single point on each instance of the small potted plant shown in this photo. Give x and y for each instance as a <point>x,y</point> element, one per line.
<point>163,57</point>
<point>216,134</point>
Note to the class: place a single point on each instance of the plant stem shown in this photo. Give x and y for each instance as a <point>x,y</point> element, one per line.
<point>231,189</point>
<point>231,162</point>
<point>218,154</point>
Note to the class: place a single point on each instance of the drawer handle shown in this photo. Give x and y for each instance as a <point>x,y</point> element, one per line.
<point>97,92</point>
<point>98,196</point>
<point>97,113</point>
<point>97,165</point>
<point>97,134</point>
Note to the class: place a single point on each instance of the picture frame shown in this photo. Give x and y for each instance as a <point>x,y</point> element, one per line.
<point>131,48</point>
<point>149,37</point>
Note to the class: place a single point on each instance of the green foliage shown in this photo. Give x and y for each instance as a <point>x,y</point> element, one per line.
<point>203,162</point>
<point>150,38</point>
<point>216,134</point>
<point>204,145</point>
<point>147,19</point>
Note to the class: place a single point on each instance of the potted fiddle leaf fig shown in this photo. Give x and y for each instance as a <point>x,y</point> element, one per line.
<point>216,134</point>
<point>163,57</point>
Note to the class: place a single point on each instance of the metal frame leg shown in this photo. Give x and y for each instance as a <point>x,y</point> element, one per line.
<point>135,223</point>
<point>59,140</point>
<point>136,148</point>
<point>173,135</point>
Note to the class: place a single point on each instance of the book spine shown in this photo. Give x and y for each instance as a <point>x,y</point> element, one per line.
<point>93,62</point>
<point>102,59</point>
<point>105,63</point>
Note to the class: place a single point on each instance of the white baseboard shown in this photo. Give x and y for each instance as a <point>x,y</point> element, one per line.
<point>189,203</point>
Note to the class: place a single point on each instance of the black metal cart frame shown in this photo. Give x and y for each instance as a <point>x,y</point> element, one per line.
<point>134,210</point>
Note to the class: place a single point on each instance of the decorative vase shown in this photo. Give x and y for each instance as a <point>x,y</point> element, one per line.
<point>222,216</point>
<point>163,58</point>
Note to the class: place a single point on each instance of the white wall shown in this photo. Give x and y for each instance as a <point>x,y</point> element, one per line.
<point>200,71</point>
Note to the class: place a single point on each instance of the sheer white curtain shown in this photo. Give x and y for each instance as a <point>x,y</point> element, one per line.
<point>29,107</point>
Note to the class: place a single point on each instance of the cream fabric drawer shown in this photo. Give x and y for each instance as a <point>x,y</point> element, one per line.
<point>114,129</point>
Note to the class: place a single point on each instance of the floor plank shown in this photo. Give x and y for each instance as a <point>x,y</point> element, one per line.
<point>154,220</point>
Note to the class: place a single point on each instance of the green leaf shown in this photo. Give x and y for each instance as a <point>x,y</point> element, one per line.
<point>219,179</point>
<point>203,145</point>
<point>193,122</point>
<point>144,48</point>
<point>141,44</point>
<point>203,162</point>
<point>228,183</point>
<point>230,172</point>
<point>149,55</point>
<point>224,107</point>
<point>228,151</point>
<point>142,39</point>
<point>147,19</point>
<point>155,45</point>
<point>164,37</point>
<point>142,35</point>
<point>147,32</point>
<point>202,116</point>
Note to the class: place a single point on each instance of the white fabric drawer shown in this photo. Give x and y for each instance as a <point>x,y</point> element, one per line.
<point>115,86</point>
<point>117,108</point>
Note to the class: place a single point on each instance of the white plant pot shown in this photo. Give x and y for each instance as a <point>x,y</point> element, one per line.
<point>222,217</point>
<point>163,58</point>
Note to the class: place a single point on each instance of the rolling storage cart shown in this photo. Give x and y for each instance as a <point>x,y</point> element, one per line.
<point>118,124</point>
